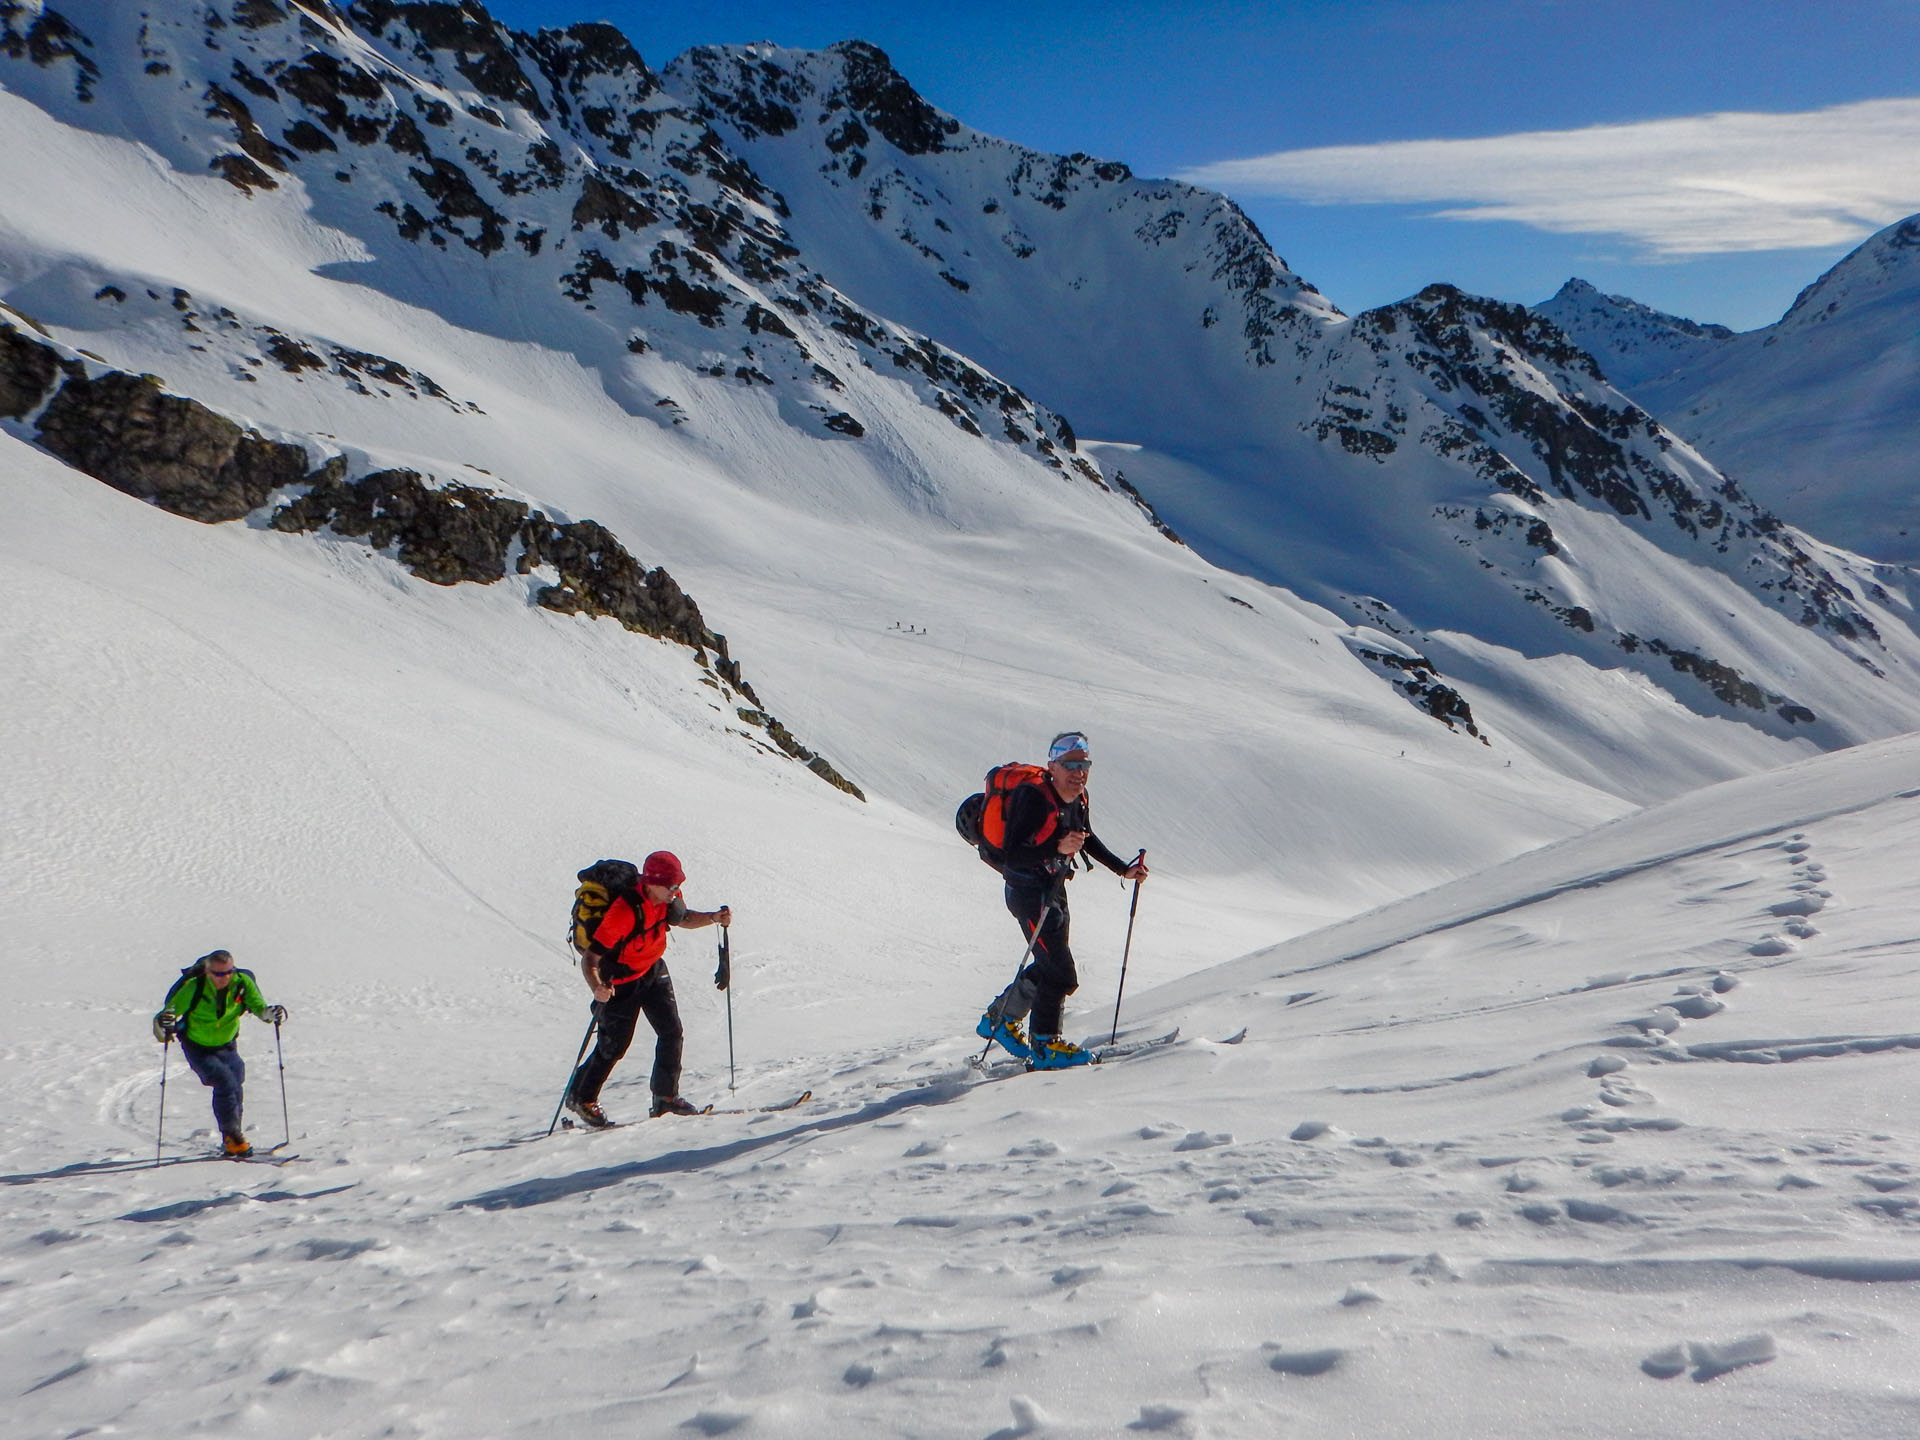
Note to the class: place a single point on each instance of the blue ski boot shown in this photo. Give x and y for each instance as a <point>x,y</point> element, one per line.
<point>1050,1052</point>
<point>1008,1032</point>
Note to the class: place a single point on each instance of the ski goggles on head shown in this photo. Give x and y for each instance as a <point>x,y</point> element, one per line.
<point>1066,743</point>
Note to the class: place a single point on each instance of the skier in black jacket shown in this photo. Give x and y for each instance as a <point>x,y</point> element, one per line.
<point>1047,827</point>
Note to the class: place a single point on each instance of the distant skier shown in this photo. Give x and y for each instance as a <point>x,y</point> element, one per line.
<point>203,1011</point>
<point>1044,825</point>
<point>623,966</point>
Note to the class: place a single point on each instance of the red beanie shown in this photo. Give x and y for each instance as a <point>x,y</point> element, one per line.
<point>662,868</point>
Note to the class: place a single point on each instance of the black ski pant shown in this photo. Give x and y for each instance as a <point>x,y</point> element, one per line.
<point>651,995</point>
<point>1043,986</point>
<point>221,1067</point>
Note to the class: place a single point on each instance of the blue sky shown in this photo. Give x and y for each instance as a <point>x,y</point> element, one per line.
<point>1740,161</point>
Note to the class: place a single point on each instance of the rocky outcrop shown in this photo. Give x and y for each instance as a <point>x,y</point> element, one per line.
<point>27,371</point>
<point>1414,675</point>
<point>127,431</point>
<point>173,452</point>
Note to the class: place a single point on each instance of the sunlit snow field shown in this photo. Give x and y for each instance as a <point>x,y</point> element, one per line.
<point>1615,1139</point>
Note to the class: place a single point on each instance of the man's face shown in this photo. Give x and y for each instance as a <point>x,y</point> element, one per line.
<point>660,894</point>
<point>1070,774</point>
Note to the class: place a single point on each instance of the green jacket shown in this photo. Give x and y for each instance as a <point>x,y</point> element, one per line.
<point>212,1015</point>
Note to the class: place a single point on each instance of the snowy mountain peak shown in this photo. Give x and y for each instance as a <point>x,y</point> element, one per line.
<point>1884,270</point>
<point>1816,413</point>
<point>1632,342</point>
<point>932,217</point>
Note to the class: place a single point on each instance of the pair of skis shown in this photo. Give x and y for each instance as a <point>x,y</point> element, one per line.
<point>996,1070</point>
<point>568,1123</point>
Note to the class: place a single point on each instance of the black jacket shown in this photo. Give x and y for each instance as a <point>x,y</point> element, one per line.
<point>1037,864</point>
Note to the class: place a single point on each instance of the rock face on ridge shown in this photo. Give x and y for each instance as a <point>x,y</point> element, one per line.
<point>171,451</point>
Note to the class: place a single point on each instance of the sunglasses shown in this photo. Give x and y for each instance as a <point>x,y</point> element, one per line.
<point>1076,766</point>
<point>221,974</point>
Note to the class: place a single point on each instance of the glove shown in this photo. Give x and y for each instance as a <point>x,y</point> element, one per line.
<point>165,1026</point>
<point>276,1014</point>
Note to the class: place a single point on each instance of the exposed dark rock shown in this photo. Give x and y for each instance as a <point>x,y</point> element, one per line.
<point>50,38</point>
<point>27,371</point>
<point>442,535</point>
<point>609,208</point>
<point>881,96</point>
<point>405,137</point>
<point>223,104</point>
<point>450,188</point>
<point>127,431</point>
<point>482,45</point>
<point>257,14</point>
<point>759,319</point>
<point>1416,676</point>
<point>844,424</point>
<point>324,84</point>
<point>309,137</point>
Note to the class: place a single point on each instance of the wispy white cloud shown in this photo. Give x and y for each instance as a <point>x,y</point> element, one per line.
<point>1698,185</point>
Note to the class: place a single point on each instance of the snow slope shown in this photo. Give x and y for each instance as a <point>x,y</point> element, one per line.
<point>1613,1139</point>
<point>1816,414</point>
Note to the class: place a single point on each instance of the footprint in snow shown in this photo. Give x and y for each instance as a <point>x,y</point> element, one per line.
<point>1619,1091</point>
<point>717,1422</point>
<point>1160,1417</point>
<point>1039,1149</point>
<point>1304,1362</point>
<point>1709,1360</point>
<point>1695,1005</point>
<point>1770,945</point>
<point>1027,1418</point>
<point>1202,1140</point>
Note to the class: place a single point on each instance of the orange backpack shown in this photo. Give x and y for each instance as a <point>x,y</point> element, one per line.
<point>982,818</point>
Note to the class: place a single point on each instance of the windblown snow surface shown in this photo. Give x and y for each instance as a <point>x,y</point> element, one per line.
<point>1613,1139</point>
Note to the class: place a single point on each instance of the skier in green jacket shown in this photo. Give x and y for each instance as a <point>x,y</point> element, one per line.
<point>203,1012</point>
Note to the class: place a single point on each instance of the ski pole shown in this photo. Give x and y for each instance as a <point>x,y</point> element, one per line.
<point>281,1055</point>
<point>165,1046</point>
<point>1125,952</point>
<point>1032,940</point>
<point>585,1041</point>
<point>723,980</point>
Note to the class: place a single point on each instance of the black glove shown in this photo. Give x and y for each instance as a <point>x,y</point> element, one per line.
<point>723,976</point>
<point>166,1025</point>
<point>276,1014</point>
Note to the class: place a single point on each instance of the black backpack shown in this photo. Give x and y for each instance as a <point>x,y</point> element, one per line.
<point>601,883</point>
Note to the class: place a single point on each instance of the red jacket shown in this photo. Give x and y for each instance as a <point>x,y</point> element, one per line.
<point>630,941</point>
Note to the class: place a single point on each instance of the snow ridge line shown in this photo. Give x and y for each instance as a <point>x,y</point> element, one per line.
<point>1585,882</point>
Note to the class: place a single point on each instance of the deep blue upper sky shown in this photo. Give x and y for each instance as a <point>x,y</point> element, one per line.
<point>1172,87</point>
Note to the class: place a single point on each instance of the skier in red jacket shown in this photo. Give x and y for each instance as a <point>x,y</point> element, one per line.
<point>625,969</point>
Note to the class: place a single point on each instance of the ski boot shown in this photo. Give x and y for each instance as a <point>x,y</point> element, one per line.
<point>1050,1052</point>
<point>589,1112</point>
<point>235,1144</point>
<point>669,1105</point>
<point>1008,1032</point>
